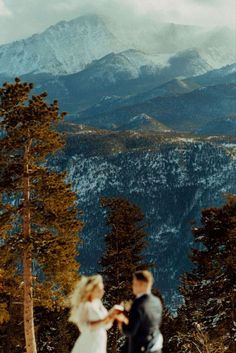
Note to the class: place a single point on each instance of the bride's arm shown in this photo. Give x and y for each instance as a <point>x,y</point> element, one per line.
<point>107,321</point>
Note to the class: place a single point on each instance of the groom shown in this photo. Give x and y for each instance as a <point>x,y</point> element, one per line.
<point>142,327</point>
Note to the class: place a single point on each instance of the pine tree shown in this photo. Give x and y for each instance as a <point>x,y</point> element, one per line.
<point>209,290</point>
<point>125,243</point>
<point>55,333</point>
<point>38,215</point>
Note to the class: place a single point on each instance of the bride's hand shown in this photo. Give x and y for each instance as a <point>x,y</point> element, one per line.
<point>109,319</point>
<point>111,315</point>
<point>115,310</point>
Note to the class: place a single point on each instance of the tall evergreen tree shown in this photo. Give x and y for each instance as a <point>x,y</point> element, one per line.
<point>208,313</point>
<point>38,215</point>
<point>125,244</point>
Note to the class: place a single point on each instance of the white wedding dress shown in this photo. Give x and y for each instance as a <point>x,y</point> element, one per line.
<point>91,340</point>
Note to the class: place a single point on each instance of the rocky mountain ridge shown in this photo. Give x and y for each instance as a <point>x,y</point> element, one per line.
<point>69,46</point>
<point>170,176</point>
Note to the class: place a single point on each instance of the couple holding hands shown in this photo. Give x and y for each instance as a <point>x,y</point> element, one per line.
<point>92,318</point>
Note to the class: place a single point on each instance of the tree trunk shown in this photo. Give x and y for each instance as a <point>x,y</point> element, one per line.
<point>113,334</point>
<point>27,261</point>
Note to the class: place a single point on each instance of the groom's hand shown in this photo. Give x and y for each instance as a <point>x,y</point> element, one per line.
<point>120,326</point>
<point>122,319</point>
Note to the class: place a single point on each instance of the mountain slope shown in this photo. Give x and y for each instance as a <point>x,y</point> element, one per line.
<point>130,72</point>
<point>215,45</point>
<point>64,48</point>
<point>69,46</point>
<point>185,112</point>
<point>177,86</point>
<point>226,126</point>
<point>144,122</point>
<point>170,177</point>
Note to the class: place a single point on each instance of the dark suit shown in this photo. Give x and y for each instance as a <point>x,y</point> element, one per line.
<point>144,322</point>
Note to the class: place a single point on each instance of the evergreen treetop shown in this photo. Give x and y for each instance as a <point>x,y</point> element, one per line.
<point>125,243</point>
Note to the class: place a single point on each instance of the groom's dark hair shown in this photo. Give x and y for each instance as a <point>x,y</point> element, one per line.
<point>144,276</point>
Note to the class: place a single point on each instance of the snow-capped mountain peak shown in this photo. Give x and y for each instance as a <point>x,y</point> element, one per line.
<point>70,46</point>
<point>67,47</point>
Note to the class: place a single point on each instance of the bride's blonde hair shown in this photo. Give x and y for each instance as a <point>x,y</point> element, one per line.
<point>81,293</point>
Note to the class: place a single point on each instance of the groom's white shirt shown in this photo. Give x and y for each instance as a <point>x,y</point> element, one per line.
<point>159,344</point>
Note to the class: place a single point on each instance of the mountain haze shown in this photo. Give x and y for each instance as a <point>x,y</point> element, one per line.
<point>69,46</point>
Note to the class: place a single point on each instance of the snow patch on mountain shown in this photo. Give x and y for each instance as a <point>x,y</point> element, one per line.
<point>69,46</point>
<point>171,184</point>
<point>64,48</point>
<point>140,58</point>
<point>126,65</point>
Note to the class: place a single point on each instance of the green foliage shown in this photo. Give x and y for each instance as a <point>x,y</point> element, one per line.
<point>125,243</point>
<point>209,290</point>
<point>55,334</point>
<point>29,136</point>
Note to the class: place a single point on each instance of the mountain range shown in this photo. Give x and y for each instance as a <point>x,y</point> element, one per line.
<point>63,48</point>
<point>185,112</point>
<point>151,116</point>
<point>103,78</point>
<point>69,46</point>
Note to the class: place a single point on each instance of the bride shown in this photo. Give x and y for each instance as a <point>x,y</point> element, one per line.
<point>91,317</point>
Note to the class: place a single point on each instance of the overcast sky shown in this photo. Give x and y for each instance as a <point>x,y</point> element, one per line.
<point>21,18</point>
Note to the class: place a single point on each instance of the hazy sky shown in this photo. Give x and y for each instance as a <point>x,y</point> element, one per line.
<point>21,18</point>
